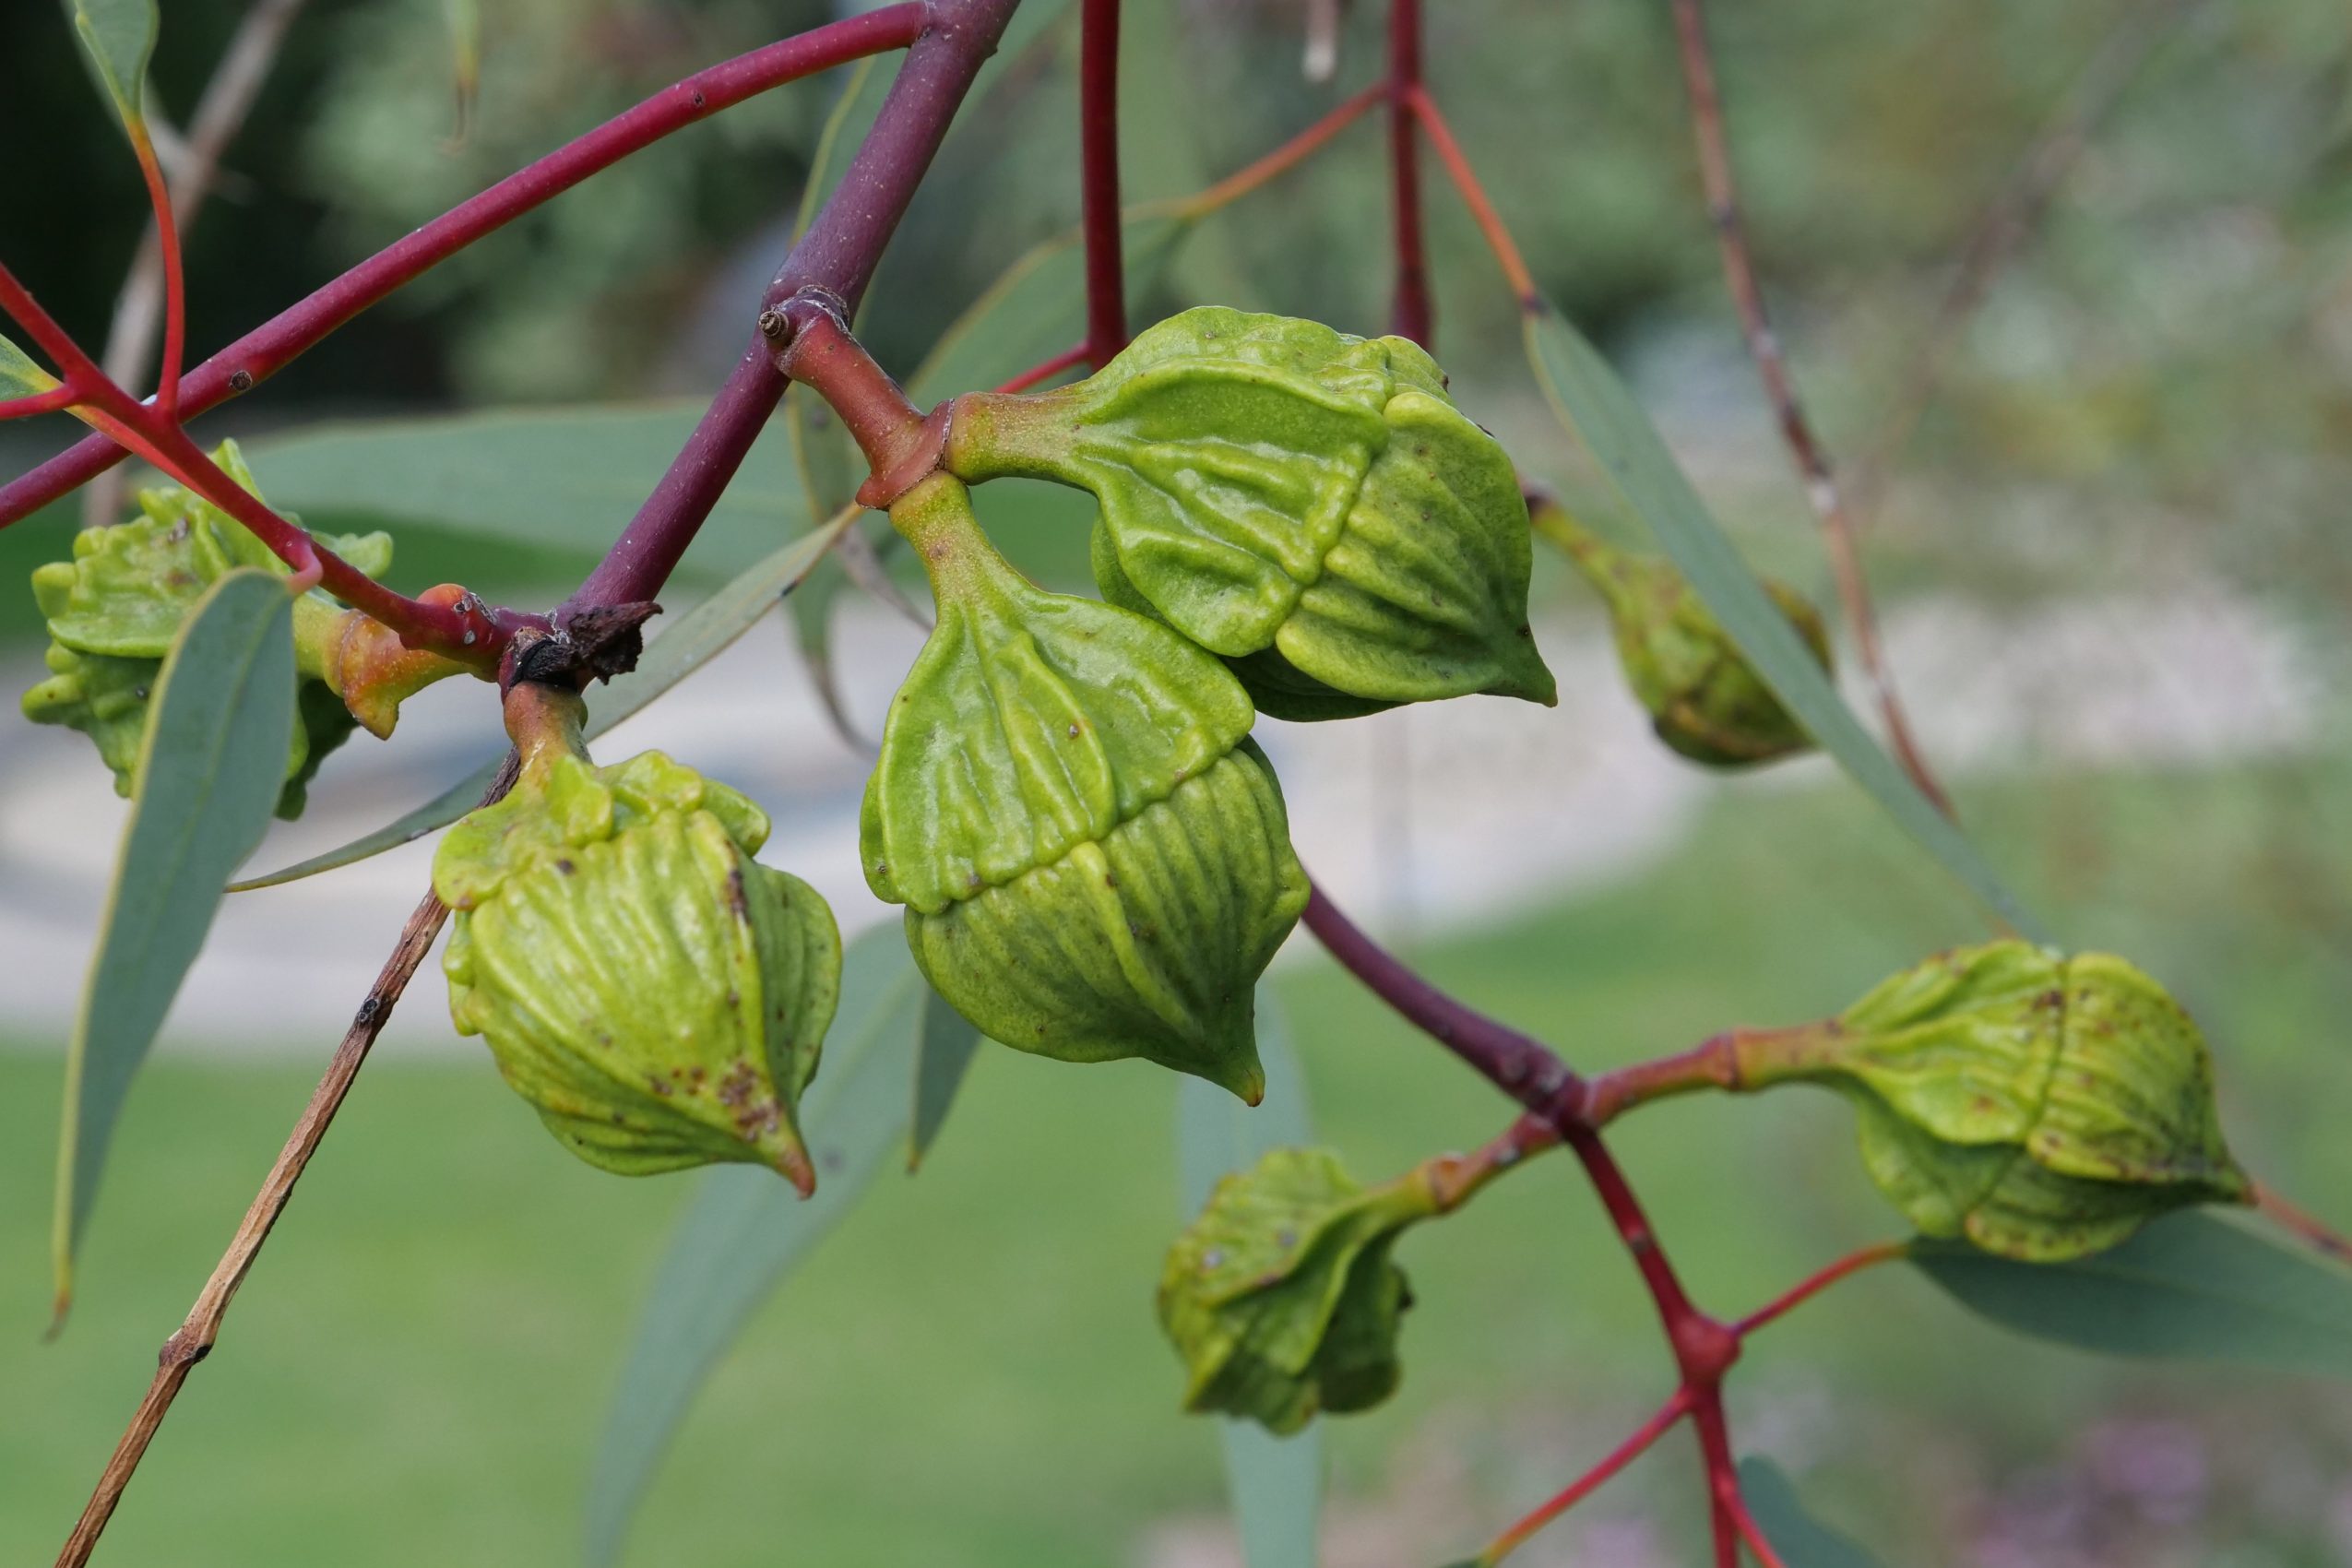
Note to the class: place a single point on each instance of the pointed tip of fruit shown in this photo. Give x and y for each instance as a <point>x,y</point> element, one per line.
<point>793,1164</point>
<point>59,1308</point>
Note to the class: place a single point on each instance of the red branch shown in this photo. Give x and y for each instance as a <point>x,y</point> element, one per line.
<point>1046,370</point>
<point>838,254</point>
<point>1583,1485</point>
<point>175,303</point>
<point>1533,1075</point>
<point>269,348</point>
<point>1814,1284</point>
<point>1415,316</point>
<point>465,632</point>
<point>1099,179</point>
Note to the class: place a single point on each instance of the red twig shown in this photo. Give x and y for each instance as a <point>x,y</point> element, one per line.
<point>1466,182</point>
<point>1814,1284</point>
<point>175,301</point>
<point>1415,316</point>
<point>261,352</point>
<point>1753,1533</point>
<point>1099,179</point>
<point>1763,347</point>
<point>838,254</point>
<point>1283,158</point>
<point>1643,1437</point>
<point>55,400</point>
<point>1531,1074</point>
<point>1049,369</point>
<point>466,632</point>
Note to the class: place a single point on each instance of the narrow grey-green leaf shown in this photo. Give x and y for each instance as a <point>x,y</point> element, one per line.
<point>743,1231</point>
<point>2191,1286</point>
<point>211,767</point>
<point>1035,309</point>
<point>1600,409</point>
<point>1275,1482</point>
<point>1801,1540</point>
<point>563,477</point>
<point>118,39</point>
<point>698,637</point>
<point>19,376</point>
<point>948,1044</point>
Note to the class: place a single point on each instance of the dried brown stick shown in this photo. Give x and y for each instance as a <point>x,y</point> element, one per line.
<point>2010,219</point>
<point>1812,458</point>
<point>194,1339</point>
<point>220,115</point>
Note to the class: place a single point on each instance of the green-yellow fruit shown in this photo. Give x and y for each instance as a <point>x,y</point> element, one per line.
<point>655,993</point>
<point>2042,1105</point>
<point>1704,699</point>
<point>1308,506</point>
<point>1095,863</point>
<point>113,610</point>
<point>1281,1297</point>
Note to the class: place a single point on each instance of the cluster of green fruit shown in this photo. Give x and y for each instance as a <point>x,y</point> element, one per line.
<point>1094,856</point>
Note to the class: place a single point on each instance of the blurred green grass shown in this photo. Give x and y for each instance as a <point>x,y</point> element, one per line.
<point>968,1372</point>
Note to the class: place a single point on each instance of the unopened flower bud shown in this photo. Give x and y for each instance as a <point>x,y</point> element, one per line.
<point>2042,1105</point>
<point>1310,505</point>
<point>113,610</point>
<point>1281,1297</point>
<point>655,993</point>
<point>1095,862</point>
<point>1704,699</point>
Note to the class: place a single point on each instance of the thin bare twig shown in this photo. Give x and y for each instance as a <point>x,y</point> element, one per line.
<point>221,113</point>
<point>2010,219</point>
<point>195,1337</point>
<point>1812,460</point>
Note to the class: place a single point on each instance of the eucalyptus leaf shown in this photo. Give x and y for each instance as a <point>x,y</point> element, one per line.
<point>948,1044</point>
<point>1275,1482</point>
<point>743,1231</point>
<point>1801,1540</point>
<point>118,39</point>
<point>562,478</point>
<point>668,659</point>
<point>1035,309</point>
<point>19,376</point>
<point>211,766</point>
<point>1597,407</point>
<point>2191,1286</point>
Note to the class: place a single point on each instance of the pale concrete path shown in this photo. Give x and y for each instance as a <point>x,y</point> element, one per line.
<point>1428,817</point>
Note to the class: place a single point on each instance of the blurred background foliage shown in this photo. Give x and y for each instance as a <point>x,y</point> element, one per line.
<point>2154,398</point>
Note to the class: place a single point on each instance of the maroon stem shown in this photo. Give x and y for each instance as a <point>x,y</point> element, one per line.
<point>838,254</point>
<point>1522,1066</point>
<point>1533,1075</point>
<point>1099,178</point>
<point>267,350</point>
<point>1415,316</point>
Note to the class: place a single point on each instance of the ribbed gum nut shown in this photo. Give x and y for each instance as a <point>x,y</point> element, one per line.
<point>2042,1105</point>
<point>658,995</point>
<point>113,610</point>
<point>1305,503</point>
<point>1095,862</point>
<point>1704,699</point>
<point>1281,1297</point>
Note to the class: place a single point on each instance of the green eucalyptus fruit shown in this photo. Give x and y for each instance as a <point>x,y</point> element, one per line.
<point>2042,1105</point>
<point>1095,860</point>
<point>1281,1297</point>
<point>1704,699</point>
<point>1308,506</point>
<point>655,993</point>
<point>113,610</point>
